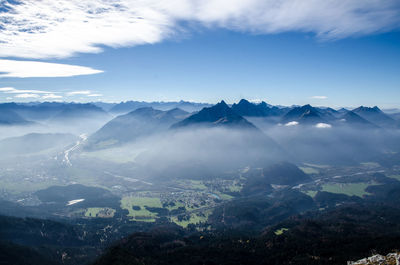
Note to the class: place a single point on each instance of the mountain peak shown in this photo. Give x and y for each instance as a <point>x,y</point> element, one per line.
<point>367,109</point>
<point>303,114</point>
<point>243,101</point>
<point>219,114</point>
<point>376,116</point>
<point>221,104</point>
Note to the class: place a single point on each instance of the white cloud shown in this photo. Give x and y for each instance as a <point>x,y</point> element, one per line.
<point>79,92</point>
<point>319,97</point>
<point>323,125</point>
<point>13,68</point>
<point>51,96</point>
<point>48,28</point>
<point>292,123</point>
<point>11,90</point>
<point>27,95</point>
<point>6,89</point>
<point>95,95</point>
<point>24,93</point>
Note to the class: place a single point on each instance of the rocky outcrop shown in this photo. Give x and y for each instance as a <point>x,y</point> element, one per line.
<point>389,259</point>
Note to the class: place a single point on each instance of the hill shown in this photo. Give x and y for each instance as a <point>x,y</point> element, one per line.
<point>128,127</point>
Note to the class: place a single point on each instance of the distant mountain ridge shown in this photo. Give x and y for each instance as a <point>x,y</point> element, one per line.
<point>128,106</point>
<point>52,110</point>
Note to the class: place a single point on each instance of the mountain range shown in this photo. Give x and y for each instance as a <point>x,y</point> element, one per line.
<point>128,106</point>
<point>219,114</point>
<point>19,113</point>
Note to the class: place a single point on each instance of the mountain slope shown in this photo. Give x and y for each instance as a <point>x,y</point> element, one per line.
<point>355,120</point>
<point>375,116</point>
<point>9,117</point>
<point>35,143</point>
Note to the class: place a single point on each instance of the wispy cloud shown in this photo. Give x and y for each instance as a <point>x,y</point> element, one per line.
<point>27,95</point>
<point>48,28</point>
<point>319,97</point>
<point>23,69</point>
<point>45,95</point>
<point>95,95</point>
<point>52,96</point>
<point>79,92</point>
<point>11,90</point>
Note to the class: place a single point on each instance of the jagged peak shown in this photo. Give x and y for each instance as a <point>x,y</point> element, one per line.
<point>244,101</point>
<point>221,105</point>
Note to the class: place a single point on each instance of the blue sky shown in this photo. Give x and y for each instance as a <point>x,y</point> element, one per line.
<point>203,63</point>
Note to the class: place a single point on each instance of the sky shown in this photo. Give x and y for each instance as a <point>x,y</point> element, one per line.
<point>327,53</point>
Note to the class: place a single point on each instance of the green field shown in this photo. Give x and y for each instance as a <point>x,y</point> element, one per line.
<point>370,164</point>
<point>235,187</point>
<point>143,214</point>
<point>223,196</point>
<point>195,218</point>
<point>197,184</point>
<point>311,193</point>
<point>100,212</point>
<point>350,189</point>
<point>317,165</point>
<point>309,170</point>
<point>14,187</point>
<point>395,177</point>
<point>281,231</point>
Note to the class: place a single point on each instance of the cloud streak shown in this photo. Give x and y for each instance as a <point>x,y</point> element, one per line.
<point>55,29</point>
<point>319,97</point>
<point>11,90</point>
<point>46,95</point>
<point>29,93</point>
<point>79,92</point>
<point>24,69</point>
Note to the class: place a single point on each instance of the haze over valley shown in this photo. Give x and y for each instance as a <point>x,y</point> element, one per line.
<point>212,132</point>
